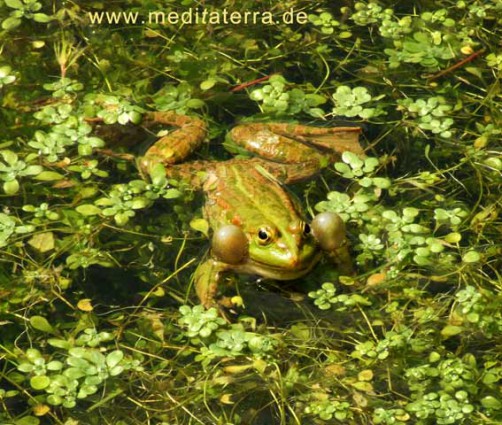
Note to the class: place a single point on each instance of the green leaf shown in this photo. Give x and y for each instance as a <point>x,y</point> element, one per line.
<point>33,354</point>
<point>121,219</point>
<point>451,330</point>
<point>416,228</point>
<point>27,420</point>
<point>9,157</point>
<point>93,380</point>
<point>352,159</point>
<point>171,194</point>
<point>14,4</point>
<point>344,169</point>
<point>25,367</point>
<point>421,261</point>
<point>471,257</point>
<point>59,343</point>
<point>48,176</point>
<point>114,358</point>
<point>366,182</point>
<point>104,202</point>
<point>434,357</point>
<point>25,229</point>
<point>488,378</point>
<point>490,402</point>
<point>436,247</point>
<point>74,373</point>
<point>86,390</point>
<point>363,386</point>
<point>40,382</point>
<point>300,331</point>
<point>54,365</point>
<point>85,150</point>
<point>32,170</point>
<point>453,237</point>
<point>195,103</point>
<point>139,203</point>
<point>123,118</point>
<point>55,400</point>
<point>117,370</point>
<point>410,212</point>
<point>158,174</point>
<point>8,79</point>
<point>315,99</point>
<point>77,352</point>
<point>135,117</point>
<point>207,84</point>
<point>41,17</point>
<point>11,23</point>
<point>88,209</point>
<point>41,324</point>
<point>200,225</point>
<point>11,187</point>
<point>42,242</point>
<point>381,182</point>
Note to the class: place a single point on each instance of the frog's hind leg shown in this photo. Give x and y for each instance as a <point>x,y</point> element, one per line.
<point>265,141</point>
<point>177,144</point>
<point>295,152</point>
<point>333,139</point>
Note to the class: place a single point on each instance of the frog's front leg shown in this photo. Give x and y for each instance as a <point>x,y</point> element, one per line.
<point>207,277</point>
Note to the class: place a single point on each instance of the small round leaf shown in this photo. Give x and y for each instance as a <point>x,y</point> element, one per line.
<point>40,382</point>
<point>41,324</point>
<point>471,257</point>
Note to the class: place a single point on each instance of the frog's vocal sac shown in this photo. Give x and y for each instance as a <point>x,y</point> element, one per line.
<point>257,228</point>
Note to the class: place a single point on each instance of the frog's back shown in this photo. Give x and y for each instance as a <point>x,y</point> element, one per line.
<point>242,193</point>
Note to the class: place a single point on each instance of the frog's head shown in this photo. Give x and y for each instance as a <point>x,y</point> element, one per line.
<point>282,253</point>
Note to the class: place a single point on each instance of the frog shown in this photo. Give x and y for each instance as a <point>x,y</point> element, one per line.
<point>257,227</point>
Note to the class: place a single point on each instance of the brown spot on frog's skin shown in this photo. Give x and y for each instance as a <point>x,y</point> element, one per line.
<point>236,219</point>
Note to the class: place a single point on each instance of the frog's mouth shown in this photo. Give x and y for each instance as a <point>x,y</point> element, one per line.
<point>279,273</point>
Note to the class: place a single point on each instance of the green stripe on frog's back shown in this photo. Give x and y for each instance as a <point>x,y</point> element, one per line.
<point>244,196</point>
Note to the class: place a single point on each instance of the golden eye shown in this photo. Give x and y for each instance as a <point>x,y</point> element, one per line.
<point>306,228</point>
<point>265,235</point>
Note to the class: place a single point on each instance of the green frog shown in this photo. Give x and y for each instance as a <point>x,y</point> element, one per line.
<point>256,225</point>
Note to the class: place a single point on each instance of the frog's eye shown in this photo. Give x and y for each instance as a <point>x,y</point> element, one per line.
<point>265,235</point>
<point>306,228</point>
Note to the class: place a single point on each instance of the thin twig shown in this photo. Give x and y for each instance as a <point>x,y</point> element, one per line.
<point>250,83</point>
<point>456,65</point>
